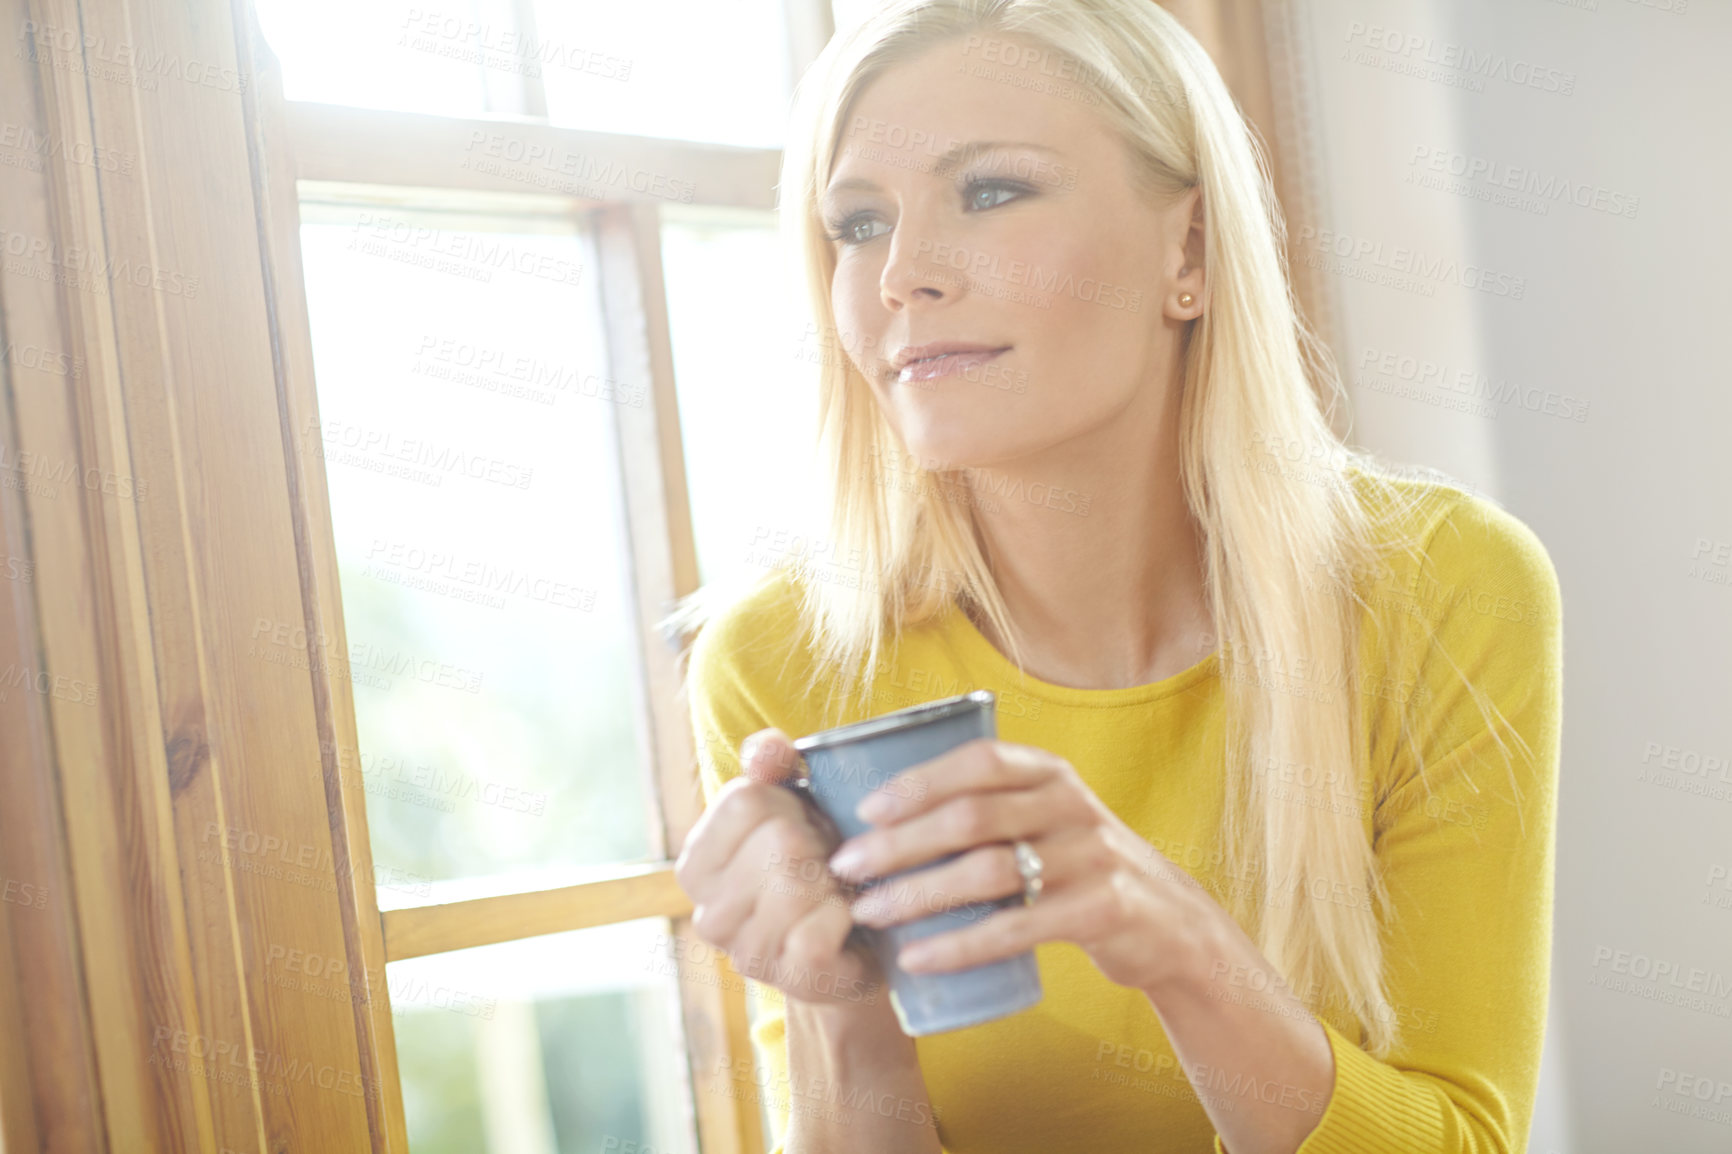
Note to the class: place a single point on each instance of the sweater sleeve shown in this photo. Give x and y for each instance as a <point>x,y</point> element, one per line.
<point>1466,843</point>
<point>724,712</point>
<point>731,691</point>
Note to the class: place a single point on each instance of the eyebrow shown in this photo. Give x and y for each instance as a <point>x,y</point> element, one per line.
<point>957,155</point>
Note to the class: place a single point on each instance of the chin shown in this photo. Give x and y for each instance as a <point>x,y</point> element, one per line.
<point>938,448</point>
<point>946,428</point>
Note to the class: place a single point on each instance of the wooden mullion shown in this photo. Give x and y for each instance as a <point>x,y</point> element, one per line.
<point>663,557</point>
<point>421,930</point>
<point>371,146</point>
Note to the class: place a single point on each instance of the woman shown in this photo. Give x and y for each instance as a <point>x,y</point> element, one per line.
<point>1281,725</point>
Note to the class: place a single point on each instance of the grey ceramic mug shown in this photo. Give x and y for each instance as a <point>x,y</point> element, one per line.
<point>847,763</point>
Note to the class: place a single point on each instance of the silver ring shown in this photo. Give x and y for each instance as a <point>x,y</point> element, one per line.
<point>1029,865</point>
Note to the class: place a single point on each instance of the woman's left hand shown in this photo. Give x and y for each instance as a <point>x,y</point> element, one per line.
<point>1140,918</point>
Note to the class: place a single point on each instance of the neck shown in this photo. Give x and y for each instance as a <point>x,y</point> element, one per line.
<point>1097,556</point>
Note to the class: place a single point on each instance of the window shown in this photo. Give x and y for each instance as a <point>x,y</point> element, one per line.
<point>494,353</point>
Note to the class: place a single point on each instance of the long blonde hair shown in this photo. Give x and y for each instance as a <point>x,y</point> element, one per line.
<point>1283,547</point>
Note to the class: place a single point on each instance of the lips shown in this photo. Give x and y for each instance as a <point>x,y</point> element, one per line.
<point>942,359</point>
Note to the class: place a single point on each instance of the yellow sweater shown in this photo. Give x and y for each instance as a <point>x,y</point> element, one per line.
<point>1470,874</point>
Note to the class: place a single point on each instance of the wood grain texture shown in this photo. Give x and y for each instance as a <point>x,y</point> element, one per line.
<point>422,930</point>
<point>166,749</point>
<point>50,1096</point>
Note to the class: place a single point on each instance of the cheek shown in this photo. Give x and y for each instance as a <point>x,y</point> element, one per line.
<point>1091,325</point>
<point>854,300</point>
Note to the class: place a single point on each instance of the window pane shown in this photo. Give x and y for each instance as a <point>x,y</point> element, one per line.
<point>723,78</point>
<point>385,54</point>
<point>591,64</point>
<point>746,365</point>
<point>465,429</point>
<point>551,1045</point>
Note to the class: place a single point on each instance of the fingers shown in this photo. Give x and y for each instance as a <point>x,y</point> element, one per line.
<point>980,765</point>
<point>984,874</point>
<point>738,808</point>
<point>769,756</point>
<point>1073,914</point>
<point>771,903</point>
<point>805,957</point>
<point>959,824</point>
<point>742,803</point>
<point>732,897</point>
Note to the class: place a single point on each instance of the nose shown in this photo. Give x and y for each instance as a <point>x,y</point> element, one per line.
<point>911,272</point>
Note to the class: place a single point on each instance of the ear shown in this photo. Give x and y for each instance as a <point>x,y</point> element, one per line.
<point>1186,273</point>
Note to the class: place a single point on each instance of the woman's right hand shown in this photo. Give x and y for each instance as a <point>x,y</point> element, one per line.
<point>756,866</point>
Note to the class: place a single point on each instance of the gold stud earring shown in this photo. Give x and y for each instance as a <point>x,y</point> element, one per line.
<point>1185,300</point>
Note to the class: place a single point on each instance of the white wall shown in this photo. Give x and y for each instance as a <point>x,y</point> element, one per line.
<point>1629,317</point>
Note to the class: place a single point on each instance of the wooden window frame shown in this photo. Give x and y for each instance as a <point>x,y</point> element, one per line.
<point>148,955</point>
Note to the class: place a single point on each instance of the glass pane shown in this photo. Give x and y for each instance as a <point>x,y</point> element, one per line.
<point>465,430</point>
<point>723,78</point>
<point>746,364</point>
<point>386,54</point>
<point>592,64</point>
<point>554,1045</point>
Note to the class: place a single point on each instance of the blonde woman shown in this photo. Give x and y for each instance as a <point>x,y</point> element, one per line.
<point>1280,723</point>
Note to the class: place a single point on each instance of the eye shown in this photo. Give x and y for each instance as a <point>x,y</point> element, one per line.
<point>849,231</point>
<point>978,195</point>
<point>981,194</point>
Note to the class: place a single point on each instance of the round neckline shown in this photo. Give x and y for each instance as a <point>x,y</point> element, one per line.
<point>975,647</point>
